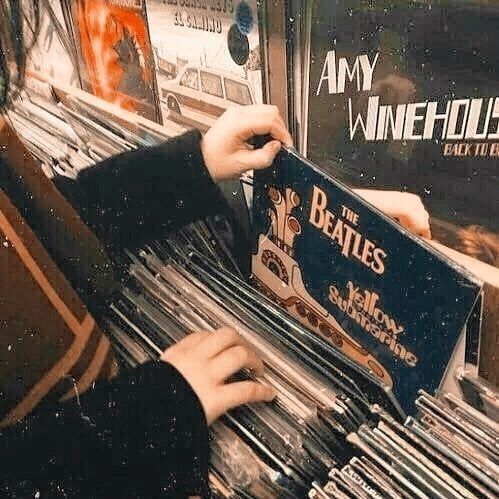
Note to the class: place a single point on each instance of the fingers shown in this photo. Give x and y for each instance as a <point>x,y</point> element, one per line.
<point>246,392</point>
<point>257,159</point>
<point>418,226</point>
<point>230,353</point>
<point>407,208</point>
<point>221,340</point>
<point>262,120</point>
<point>193,339</point>
<point>206,360</point>
<point>224,146</point>
<point>184,345</point>
<point>413,214</point>
<point>414,224</point>
<point>233,360</point>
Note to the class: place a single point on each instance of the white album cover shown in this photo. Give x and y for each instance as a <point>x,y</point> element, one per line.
<point>207,57</point>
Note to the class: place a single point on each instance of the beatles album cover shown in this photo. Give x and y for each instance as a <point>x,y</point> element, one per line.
<point>115,52</point>
<point>405,97</point>
<point>356,278</point>
<point>207,58</point>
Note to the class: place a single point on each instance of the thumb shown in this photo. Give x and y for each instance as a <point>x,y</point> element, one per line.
<point>256,159</point>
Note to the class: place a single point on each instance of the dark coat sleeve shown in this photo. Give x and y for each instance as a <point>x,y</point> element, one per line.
<point>136,196</point>
<point>142,435</point>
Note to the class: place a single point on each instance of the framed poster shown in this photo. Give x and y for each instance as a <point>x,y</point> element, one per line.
<point>207,58</point>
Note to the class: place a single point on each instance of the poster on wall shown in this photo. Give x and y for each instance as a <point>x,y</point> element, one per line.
<point>53,53</point>
<point>356,279</point>
<point>405,97</point>
<point>207,57</point>
<point>116,60</point>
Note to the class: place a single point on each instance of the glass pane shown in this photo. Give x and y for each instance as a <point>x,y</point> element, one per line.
<point>190,79</point>
<point>237,92</point>
<point>211,84</point>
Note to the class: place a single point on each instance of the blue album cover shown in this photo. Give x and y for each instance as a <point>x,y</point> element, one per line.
<point>358,279</point>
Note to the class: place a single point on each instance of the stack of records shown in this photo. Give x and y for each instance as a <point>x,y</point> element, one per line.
<point>70,139</point>
<point>74,133</point>
<point>263,450</point>
<point>330,423</point>
<point>334,428</point>
<point>478,392</point>
<point>450,451</point>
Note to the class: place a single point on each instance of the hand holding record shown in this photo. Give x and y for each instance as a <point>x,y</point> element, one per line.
<point>225,147</point>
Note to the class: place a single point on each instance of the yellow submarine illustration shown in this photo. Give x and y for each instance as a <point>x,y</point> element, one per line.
<point>278,275</point>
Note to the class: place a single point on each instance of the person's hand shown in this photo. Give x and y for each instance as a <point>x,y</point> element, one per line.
<point>225,149</point>
<point>405,207</point>
<point>207,360</point>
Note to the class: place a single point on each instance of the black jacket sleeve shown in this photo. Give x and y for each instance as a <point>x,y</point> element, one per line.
<point>137,196</point>
<point>142,435</point>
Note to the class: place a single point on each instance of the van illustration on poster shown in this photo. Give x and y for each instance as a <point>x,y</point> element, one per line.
<point>356,278</point>
<point>405,96</point>
<point>207,58</point>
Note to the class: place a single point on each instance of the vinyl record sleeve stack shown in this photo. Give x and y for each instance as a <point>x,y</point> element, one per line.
<point>449,451</point>
<point>322,436</point>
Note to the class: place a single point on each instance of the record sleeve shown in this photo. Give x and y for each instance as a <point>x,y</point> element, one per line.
<point>356,278</point>
<point>207,58</point>
<point>52,52</point>
<point>115,54</point>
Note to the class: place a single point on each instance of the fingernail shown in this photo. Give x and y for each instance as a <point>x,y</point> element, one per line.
<point>272,393</point>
